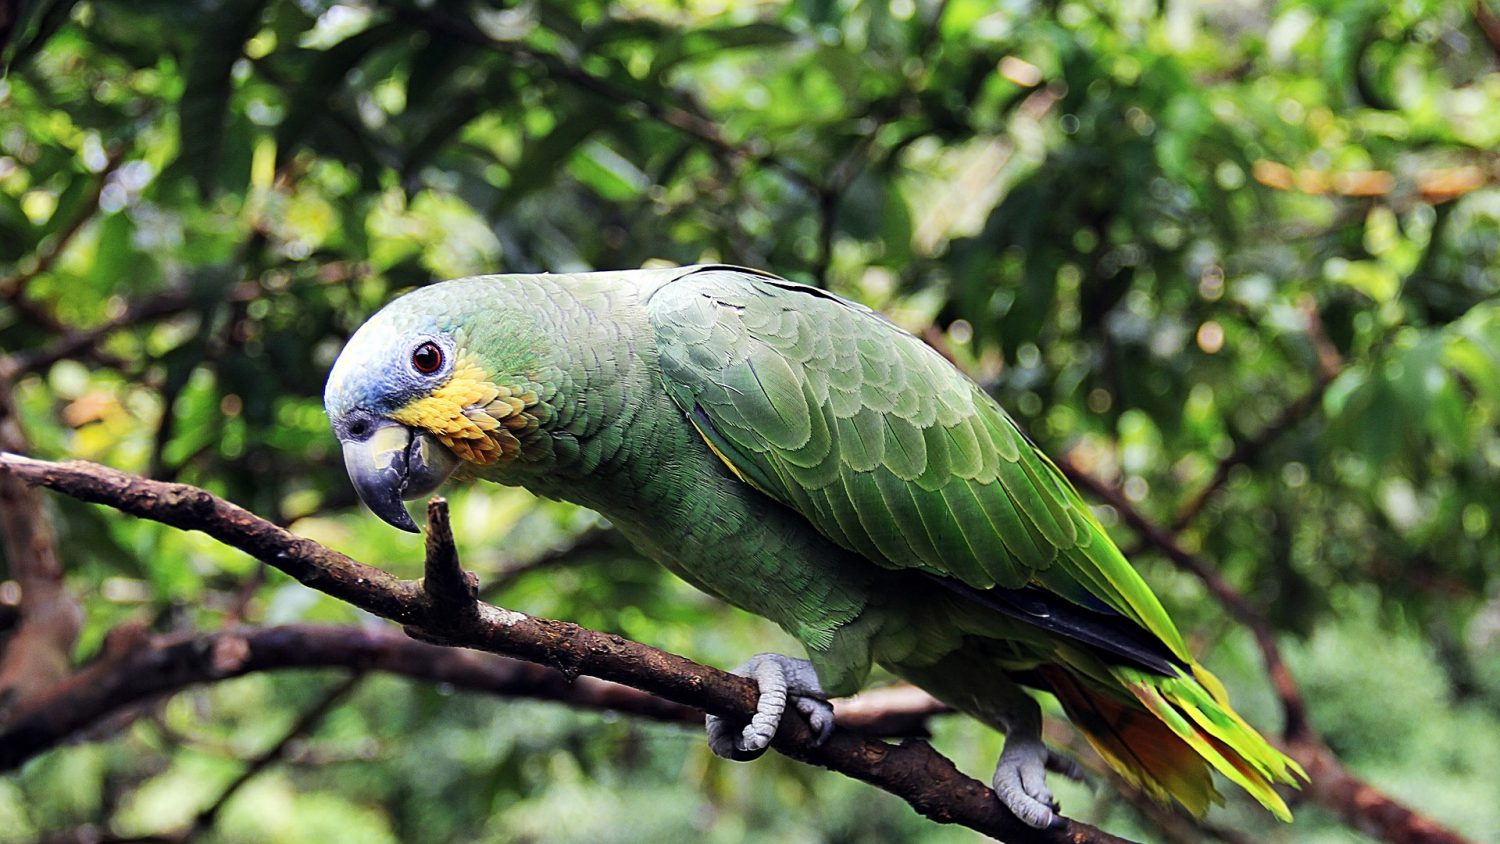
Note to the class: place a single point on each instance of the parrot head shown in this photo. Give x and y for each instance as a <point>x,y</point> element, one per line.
<point>411,399</point>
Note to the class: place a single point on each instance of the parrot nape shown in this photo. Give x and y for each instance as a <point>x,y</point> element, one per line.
<point>797,455</point>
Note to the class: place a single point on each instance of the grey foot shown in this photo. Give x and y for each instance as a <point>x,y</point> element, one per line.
<point>1021,781</point>
<point>779,678</point>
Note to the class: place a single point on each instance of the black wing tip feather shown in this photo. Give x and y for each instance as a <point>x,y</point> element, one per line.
<point>1109,633</point>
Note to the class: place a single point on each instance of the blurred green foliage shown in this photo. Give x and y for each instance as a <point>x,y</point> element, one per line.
<point>1150,227</point>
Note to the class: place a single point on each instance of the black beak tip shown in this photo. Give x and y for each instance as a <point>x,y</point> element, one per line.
<point>393,512</point>
<point>406,523</point>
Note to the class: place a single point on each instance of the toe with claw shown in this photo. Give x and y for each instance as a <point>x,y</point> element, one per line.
<point>780,679</point>
<point>1021,782</point>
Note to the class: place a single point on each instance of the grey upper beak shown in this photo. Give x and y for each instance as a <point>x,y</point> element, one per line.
<point>394,464</point>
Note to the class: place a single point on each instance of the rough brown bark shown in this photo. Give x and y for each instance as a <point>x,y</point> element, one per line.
<point>911,770</point>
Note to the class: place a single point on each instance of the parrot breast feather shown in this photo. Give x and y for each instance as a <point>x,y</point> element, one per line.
<point>880,443</point>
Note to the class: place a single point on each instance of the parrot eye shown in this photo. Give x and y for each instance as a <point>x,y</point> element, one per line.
<point>427,358</point>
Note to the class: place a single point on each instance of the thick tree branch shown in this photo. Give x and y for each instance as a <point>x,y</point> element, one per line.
<point>911,770</point>
<point>1361,805</point>
<point>167,664</point>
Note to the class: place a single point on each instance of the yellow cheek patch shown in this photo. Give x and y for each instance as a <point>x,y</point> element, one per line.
<point>476,419</point>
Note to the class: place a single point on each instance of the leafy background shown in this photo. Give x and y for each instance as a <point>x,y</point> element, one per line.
<point>1249,236</point>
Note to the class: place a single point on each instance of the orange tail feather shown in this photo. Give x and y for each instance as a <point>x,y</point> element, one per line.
<point>1136,743</point>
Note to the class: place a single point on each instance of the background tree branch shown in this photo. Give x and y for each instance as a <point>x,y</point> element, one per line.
<point>912,770</point>
<point>304,725</point>
<point>143,669</point>
<point>38,646</point>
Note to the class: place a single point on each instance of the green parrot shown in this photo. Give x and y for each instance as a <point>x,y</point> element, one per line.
<point>797,455</point>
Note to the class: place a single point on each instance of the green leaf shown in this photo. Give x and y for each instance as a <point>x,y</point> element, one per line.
<point>320,79</point>
<point>204,107</point>
<point>540,162</point>
<point>610,175</point>
<point>32,26</point>
<point>17,233</point>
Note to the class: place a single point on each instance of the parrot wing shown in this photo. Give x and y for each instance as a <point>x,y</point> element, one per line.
<point>881,444</point>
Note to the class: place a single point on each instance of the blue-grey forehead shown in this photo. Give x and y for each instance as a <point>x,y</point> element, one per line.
<point>369,372</point>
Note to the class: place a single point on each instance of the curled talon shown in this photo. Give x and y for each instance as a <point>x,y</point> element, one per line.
<point>819,715</point>
<point>779,679</point>
<point>724,740</point>
<point>1021,781</point>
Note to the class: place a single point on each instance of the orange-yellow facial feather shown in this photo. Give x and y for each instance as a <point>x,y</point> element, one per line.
<point>475,418</point>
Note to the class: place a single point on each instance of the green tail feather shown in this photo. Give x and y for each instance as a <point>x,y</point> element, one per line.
<point>1216,733</point>
<point>1164,734</point>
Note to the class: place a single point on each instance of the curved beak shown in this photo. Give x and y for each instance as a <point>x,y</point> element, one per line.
<point>396,464</point>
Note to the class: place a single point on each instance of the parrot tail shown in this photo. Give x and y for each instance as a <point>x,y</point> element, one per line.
<point>1165,735</point>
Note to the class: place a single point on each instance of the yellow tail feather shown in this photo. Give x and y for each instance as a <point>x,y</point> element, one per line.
<point>1165,734</point>
<point>1136,744</point>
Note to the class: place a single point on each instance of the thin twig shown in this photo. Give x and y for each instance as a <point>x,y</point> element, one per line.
<point>1246,450</point>
<point>1293,709</point>
<point>1489,25</point>
<point>445,580</point>
<point>672,114</point>
<point>591,541</point>
<point>14,287</point>
<point>75,341</point>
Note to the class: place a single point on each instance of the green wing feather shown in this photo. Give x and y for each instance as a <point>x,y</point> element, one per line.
<point>880,443</point>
